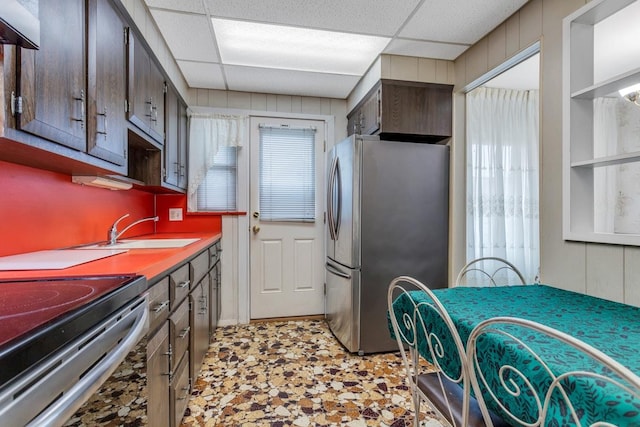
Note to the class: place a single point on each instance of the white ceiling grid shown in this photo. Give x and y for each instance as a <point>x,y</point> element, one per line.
<point>439,29</point>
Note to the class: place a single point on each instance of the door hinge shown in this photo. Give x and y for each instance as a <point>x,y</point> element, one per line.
<point>126,106</point>
<point>16,104</point>
<point>325,289</point>
<point>164,174</point>
<point>165,89</point>
<point>324,146</point>
<point>126,35</point>
<point>324,217</point>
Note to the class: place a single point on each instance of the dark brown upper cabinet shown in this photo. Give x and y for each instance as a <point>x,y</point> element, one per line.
<point>52,80</point>
<point>146,89</point>
<point>402,110</point>
<point>107,127</point>
<point>71,92</point>
<point>175,149</point>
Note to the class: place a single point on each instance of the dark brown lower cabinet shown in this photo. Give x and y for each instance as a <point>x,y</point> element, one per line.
<point>158,362</point>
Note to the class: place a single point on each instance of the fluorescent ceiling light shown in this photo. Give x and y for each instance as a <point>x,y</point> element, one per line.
<point>275,46</point>
<point>101,182</point>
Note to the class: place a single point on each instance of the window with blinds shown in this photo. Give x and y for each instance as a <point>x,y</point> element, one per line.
<point>217,193</point>
<point>287,174</point>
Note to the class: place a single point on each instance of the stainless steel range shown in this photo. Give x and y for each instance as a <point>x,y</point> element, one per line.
<point>60,339</point>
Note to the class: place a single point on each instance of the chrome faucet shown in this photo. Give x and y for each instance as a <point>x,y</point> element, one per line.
<point>113,234</point>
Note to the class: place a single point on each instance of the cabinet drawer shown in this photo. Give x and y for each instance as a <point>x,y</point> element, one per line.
<point>180,391</point>
<point>158,303</point>
<point>214,253</point>
<point>179,285</point>
<point>199,267</point>
<point>179,334</point>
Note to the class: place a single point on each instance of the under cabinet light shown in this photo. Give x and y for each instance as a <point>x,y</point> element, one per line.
<point>101,182</point>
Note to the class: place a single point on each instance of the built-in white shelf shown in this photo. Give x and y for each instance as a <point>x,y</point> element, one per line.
<point>579,91</point>
<point>608,160</point>
<point>609,86</point>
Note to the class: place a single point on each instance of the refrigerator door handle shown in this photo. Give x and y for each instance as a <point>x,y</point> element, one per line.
<point>330,200</point>
<point>336,271</point>
<point>338,178</point>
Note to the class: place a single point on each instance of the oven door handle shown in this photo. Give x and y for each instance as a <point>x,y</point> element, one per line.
<point>61,410</point>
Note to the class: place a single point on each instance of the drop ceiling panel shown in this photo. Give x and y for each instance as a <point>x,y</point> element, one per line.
<point>194,6</point>
<point>188,36</point>
<point>425,49</point>
<point>288,82</point>
<point>202,74</point>
<point>377,17</point>
<point>458,21</point>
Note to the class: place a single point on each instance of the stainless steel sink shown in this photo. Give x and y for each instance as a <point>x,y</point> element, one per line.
<point>145,244</point>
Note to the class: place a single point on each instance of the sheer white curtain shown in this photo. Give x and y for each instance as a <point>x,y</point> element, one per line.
<point>207,133</point>
<point>616,128</point>
<point>502,177</point>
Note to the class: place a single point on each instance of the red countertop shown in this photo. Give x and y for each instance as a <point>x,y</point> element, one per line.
<point>151,263</point>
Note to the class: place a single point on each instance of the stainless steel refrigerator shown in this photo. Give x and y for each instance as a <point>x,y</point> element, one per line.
<point>387,215</point>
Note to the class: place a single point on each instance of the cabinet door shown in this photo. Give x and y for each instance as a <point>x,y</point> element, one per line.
<point>171,145</point>
<point>52,79</point>
<point>156,90</point>
<point>158,361</point>
<point>370,112</point>
<point>214,298</point>
<point>145,90</point>
<point>199,325</point>
<point>179,392</point>
<point>107,133</point>
<point>182,144</point>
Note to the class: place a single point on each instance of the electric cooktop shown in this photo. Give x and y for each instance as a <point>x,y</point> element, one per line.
<point>38,316</point>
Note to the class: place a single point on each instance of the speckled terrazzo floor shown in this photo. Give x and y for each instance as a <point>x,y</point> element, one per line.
<point>296,373</point>
<point>271,374</point>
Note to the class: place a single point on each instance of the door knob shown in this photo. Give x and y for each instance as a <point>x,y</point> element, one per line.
<point>255,229</point>
<point>256,214</point>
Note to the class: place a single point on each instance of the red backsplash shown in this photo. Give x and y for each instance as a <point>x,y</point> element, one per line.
<point>45,210</point>
<point>189,223</point>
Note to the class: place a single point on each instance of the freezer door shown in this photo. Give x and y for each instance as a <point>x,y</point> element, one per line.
<point>343,304</point>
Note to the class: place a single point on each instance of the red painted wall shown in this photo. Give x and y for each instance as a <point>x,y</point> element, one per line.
<point>45,210</point>
<point>190,222</point>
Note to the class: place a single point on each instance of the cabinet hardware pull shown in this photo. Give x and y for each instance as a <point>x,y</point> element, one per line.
<point>103,114</point>
<point>185,332</point>
<point>184,284</point>
<point>168,353</point>
<point>161,306</point>
<point>81,99</point>
<point>168,374</point>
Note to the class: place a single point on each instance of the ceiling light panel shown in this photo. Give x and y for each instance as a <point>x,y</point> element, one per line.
<point>458,21</point>
<point>187,35</point>
<point>274,46</point>
<point>288,82</point>
<point>375,17</point>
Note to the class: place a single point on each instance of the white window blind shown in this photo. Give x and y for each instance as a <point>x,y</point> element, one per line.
<point>287,174</point>
<point>217,193</point>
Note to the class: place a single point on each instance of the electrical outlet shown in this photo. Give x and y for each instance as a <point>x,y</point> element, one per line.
<point>175,214</point>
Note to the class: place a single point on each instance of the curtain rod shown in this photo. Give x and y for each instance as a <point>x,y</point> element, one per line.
<point>265,126</point>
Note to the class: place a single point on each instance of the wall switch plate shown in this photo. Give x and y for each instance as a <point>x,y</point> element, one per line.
<point>175,214</point>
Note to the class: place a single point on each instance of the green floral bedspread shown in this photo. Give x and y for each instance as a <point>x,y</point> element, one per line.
<point>610,327</point>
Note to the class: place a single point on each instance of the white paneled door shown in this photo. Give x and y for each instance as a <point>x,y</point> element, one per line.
<point>286,217</point>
